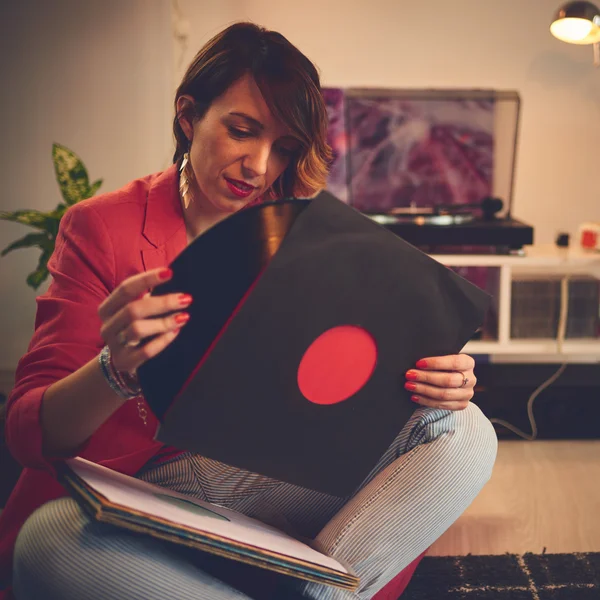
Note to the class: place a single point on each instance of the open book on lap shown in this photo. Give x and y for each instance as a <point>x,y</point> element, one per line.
<point>127,502</point>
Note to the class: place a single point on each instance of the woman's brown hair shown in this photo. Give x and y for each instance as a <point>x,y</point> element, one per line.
<point>290,85</point>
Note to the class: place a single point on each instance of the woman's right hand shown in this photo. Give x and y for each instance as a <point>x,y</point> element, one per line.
<point>130,314</point>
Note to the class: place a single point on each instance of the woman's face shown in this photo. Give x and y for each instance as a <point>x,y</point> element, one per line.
<point>238,149</point>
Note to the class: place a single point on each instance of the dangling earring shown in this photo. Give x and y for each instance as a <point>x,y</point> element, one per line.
<point>185,175</point>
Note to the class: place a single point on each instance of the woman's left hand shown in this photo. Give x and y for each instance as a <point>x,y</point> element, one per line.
<point>442,381</point>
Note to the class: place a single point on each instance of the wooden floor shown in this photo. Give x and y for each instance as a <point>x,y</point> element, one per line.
<point>543,494</point>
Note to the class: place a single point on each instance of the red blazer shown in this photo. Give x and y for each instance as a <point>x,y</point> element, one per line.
<point>101,242</point>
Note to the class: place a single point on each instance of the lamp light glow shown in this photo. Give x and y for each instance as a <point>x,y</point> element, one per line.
<point>577,23</point>
<point>573,31</point>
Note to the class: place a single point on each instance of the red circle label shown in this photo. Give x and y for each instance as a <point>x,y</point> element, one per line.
<point>337,364</point>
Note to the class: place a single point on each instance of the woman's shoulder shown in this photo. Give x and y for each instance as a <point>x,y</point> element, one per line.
<point>124,204</point>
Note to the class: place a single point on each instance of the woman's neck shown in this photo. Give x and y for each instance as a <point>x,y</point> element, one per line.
<point>196,225</point>
<point>198,219</point>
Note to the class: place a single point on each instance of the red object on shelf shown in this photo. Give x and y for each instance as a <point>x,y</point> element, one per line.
<point>590,236</point>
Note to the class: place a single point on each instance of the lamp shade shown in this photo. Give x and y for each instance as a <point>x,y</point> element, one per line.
<point>577,23</point>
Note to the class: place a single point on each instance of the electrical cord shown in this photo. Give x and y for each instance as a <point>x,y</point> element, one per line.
<point>560,338</point>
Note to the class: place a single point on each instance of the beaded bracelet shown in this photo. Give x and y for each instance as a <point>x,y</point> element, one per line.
<point>114,378</point>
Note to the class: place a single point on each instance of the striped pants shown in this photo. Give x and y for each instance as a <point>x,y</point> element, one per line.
<point>429,475</point>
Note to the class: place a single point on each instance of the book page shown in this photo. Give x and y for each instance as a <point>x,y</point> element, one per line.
<point>131,493</point>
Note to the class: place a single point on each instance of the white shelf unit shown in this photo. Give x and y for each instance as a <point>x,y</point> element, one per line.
<point>539,261</point>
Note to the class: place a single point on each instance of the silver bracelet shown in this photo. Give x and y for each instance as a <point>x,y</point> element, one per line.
<point>114,378</point>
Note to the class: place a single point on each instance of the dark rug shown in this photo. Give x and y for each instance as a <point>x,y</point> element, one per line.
<point>507,577</point>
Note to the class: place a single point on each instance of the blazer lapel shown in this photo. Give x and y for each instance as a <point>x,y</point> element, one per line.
<point>164,226</point>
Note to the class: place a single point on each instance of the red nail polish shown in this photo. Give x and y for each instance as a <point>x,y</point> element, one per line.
<point>421,364</point>
<point>165,274</point>
<point>412,375</point>
<point>410,386</point>
<point>182,318</point>
<point>184,299</point>
<point>415,398</point>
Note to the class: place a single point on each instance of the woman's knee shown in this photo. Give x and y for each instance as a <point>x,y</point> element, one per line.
<point>476,442</point>
<point>464,441</point>
<point>46,546</point>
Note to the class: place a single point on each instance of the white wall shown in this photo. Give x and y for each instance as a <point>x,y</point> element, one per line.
<point>95,76</point>
<point>102,84</point>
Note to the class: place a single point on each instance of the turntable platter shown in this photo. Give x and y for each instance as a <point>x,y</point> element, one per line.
<point>421,218</point>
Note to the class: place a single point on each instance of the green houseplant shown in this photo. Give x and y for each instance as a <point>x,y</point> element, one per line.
<point>74,184</point>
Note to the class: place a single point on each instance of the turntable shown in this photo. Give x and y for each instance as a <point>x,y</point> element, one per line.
<point>436,167</point>
<point>443,229</point>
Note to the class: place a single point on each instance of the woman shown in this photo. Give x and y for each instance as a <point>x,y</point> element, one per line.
<point>250,124</point>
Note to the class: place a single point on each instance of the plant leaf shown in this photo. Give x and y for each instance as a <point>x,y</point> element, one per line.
<point>33,218</point>
<point>54,219</point>
<point>42,240</point>
<point>37,277</point>
<point>94,187</point>
<point>71,175</point>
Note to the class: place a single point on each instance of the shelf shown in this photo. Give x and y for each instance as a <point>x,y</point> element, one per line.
<point>532,346</point>
<point>543,260</point>
<point>538,257</point>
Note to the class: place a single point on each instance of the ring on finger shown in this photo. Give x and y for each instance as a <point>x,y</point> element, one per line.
<point>123,341</point>
<point>464,381</point>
